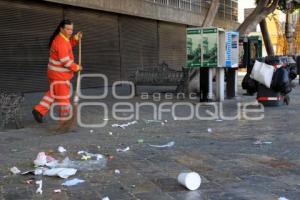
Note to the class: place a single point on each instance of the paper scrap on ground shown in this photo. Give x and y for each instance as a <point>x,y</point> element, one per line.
<point>60,172</point>
<point>169,144</point>
<point>258,142</point>
<point>105,198</point>
<point>72,182</point>
<point>209,130</point>
<point>117,171</point>
<point>40,185</point>
<point>61,149</point>
<point>15,170</point>
<point>150,121</point>
<point>57,191</point>
<point>123,150</point>
<point>42,159</point>
<point>123,126</point>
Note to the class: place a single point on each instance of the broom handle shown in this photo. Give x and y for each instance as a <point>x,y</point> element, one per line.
<point>76,98</point>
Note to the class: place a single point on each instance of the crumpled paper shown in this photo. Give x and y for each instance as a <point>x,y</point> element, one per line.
<point>72,182</point>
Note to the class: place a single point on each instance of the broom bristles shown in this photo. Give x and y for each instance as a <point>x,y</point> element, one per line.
<point>70,124</point>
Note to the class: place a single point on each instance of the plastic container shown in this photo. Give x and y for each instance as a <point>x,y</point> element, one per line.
<point>191,180</point>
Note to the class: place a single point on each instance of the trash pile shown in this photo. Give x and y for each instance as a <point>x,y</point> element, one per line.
<point>271,76</point>
<point>46,165</point>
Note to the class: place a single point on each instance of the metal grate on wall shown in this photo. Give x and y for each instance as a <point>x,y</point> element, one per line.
<point>100,44</point>
<point>228,8</point>
<point>25,28</point>
<point>172,44</point>
<point>139,44</point>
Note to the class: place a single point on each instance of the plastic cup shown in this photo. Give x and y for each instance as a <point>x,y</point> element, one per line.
<point>191,180</point>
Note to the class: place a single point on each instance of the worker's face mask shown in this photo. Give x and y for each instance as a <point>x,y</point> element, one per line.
<point>67,30</point>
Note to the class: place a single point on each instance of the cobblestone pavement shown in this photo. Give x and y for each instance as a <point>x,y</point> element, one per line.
<point>227,154</point>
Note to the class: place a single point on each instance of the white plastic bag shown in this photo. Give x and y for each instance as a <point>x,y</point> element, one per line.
<point>61,172</point>
<point>263,73</point>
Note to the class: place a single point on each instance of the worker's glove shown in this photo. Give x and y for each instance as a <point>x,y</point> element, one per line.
<point>76,68</point>
<point>78,35</point>
<point>79,68</point>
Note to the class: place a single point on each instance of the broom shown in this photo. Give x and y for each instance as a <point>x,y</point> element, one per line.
<point>69,124</point>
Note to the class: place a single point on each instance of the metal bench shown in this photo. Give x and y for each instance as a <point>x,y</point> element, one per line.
<point>160,76</point>
<point>10,108</point>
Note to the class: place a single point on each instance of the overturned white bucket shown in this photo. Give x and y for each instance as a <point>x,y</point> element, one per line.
<point>191,180</point>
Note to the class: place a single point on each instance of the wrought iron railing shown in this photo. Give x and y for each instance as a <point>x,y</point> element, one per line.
<point>228,8</point>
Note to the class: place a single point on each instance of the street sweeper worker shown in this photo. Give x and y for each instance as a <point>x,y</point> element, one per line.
<point>61,68</point>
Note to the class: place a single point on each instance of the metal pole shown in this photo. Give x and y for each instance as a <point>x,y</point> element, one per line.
<point>200,4</point>
<point>210,84</point>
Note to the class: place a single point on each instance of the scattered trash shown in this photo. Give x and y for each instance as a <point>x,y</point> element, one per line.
<point>72,182</point>
<point>61,149</point>
<point>105,198</point>
<point>83,165</point>
<point>191,180</point>
<point>42,159</point>
<point>133,186</point>
<point>40,185</point>
<point>85,157</point>
<point>98,147</point>
<point>91,131</point>
<point>15,170</point>
<point>169,144</point>
<point>166,121</point>
<point>117,171</point>
<point>30,181</point>
<point>57,191</point>
<point>110,133</point>
<point>151,121</point>
<point>29,172</point>
<point>259,142</point>
<point>123,126</point>
<point>91,155</point>
<point>123,150</point>
<point>209,130</point>
<point>282,198</point>
<point>39,171</point>
<point>60,172</point>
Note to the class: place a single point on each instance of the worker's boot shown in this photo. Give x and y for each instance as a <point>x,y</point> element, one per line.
<point>37,116</point>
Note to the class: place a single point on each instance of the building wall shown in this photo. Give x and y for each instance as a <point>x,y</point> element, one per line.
<point>115,45</point>
<point>188,12</point>
<point>140,8</point>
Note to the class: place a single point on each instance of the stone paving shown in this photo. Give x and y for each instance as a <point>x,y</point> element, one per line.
<point>227,155</point>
